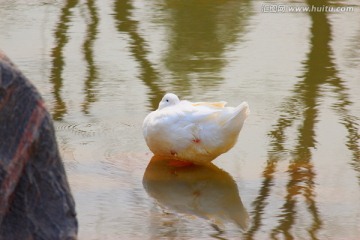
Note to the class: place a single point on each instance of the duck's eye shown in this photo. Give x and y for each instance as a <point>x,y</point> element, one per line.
<point>167,100</point>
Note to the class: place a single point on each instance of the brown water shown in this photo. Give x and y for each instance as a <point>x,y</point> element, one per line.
<point>103,65</point>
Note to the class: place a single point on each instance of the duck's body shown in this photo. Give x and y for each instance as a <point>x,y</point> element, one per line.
<point>194,132</point>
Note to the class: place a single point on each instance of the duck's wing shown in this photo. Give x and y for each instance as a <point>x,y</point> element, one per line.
<point>217,113</point>
<point>190,113</point>
<point>199,111</point>
<point>210,104</point>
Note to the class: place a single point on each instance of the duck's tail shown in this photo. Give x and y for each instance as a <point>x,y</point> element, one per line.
<point>240,113</point>
<point>235,122</point>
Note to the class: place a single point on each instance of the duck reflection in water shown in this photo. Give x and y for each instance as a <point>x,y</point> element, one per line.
<point>204,191</point>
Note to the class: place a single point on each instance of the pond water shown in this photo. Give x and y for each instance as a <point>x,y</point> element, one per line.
<point>102,66</point>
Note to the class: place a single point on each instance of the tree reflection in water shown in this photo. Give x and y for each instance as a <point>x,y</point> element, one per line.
<point>88,50</point>
<point>61,34</point>
<point>200,33</point>
<point>302,106</point>
<point>138,46</point>
<point>57,54</point>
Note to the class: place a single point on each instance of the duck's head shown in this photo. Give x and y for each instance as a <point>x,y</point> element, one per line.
<point>169,99</point>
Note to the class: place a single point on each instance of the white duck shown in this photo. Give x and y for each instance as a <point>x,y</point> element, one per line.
<point>194,132</point>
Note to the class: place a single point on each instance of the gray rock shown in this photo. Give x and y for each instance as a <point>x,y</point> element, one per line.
<point>35,197</point>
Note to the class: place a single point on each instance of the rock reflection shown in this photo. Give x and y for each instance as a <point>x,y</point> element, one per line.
<point>61,38</point>
<point>204,191</point>
<point>302,107</point>
<point>92,72</point>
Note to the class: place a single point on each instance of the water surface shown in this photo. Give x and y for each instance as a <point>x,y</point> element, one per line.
<point>103,65</point>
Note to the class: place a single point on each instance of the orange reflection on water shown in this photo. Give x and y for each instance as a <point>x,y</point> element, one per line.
<point>205,191</point>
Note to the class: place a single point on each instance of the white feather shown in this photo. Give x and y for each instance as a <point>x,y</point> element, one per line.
<point>196,132</point>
